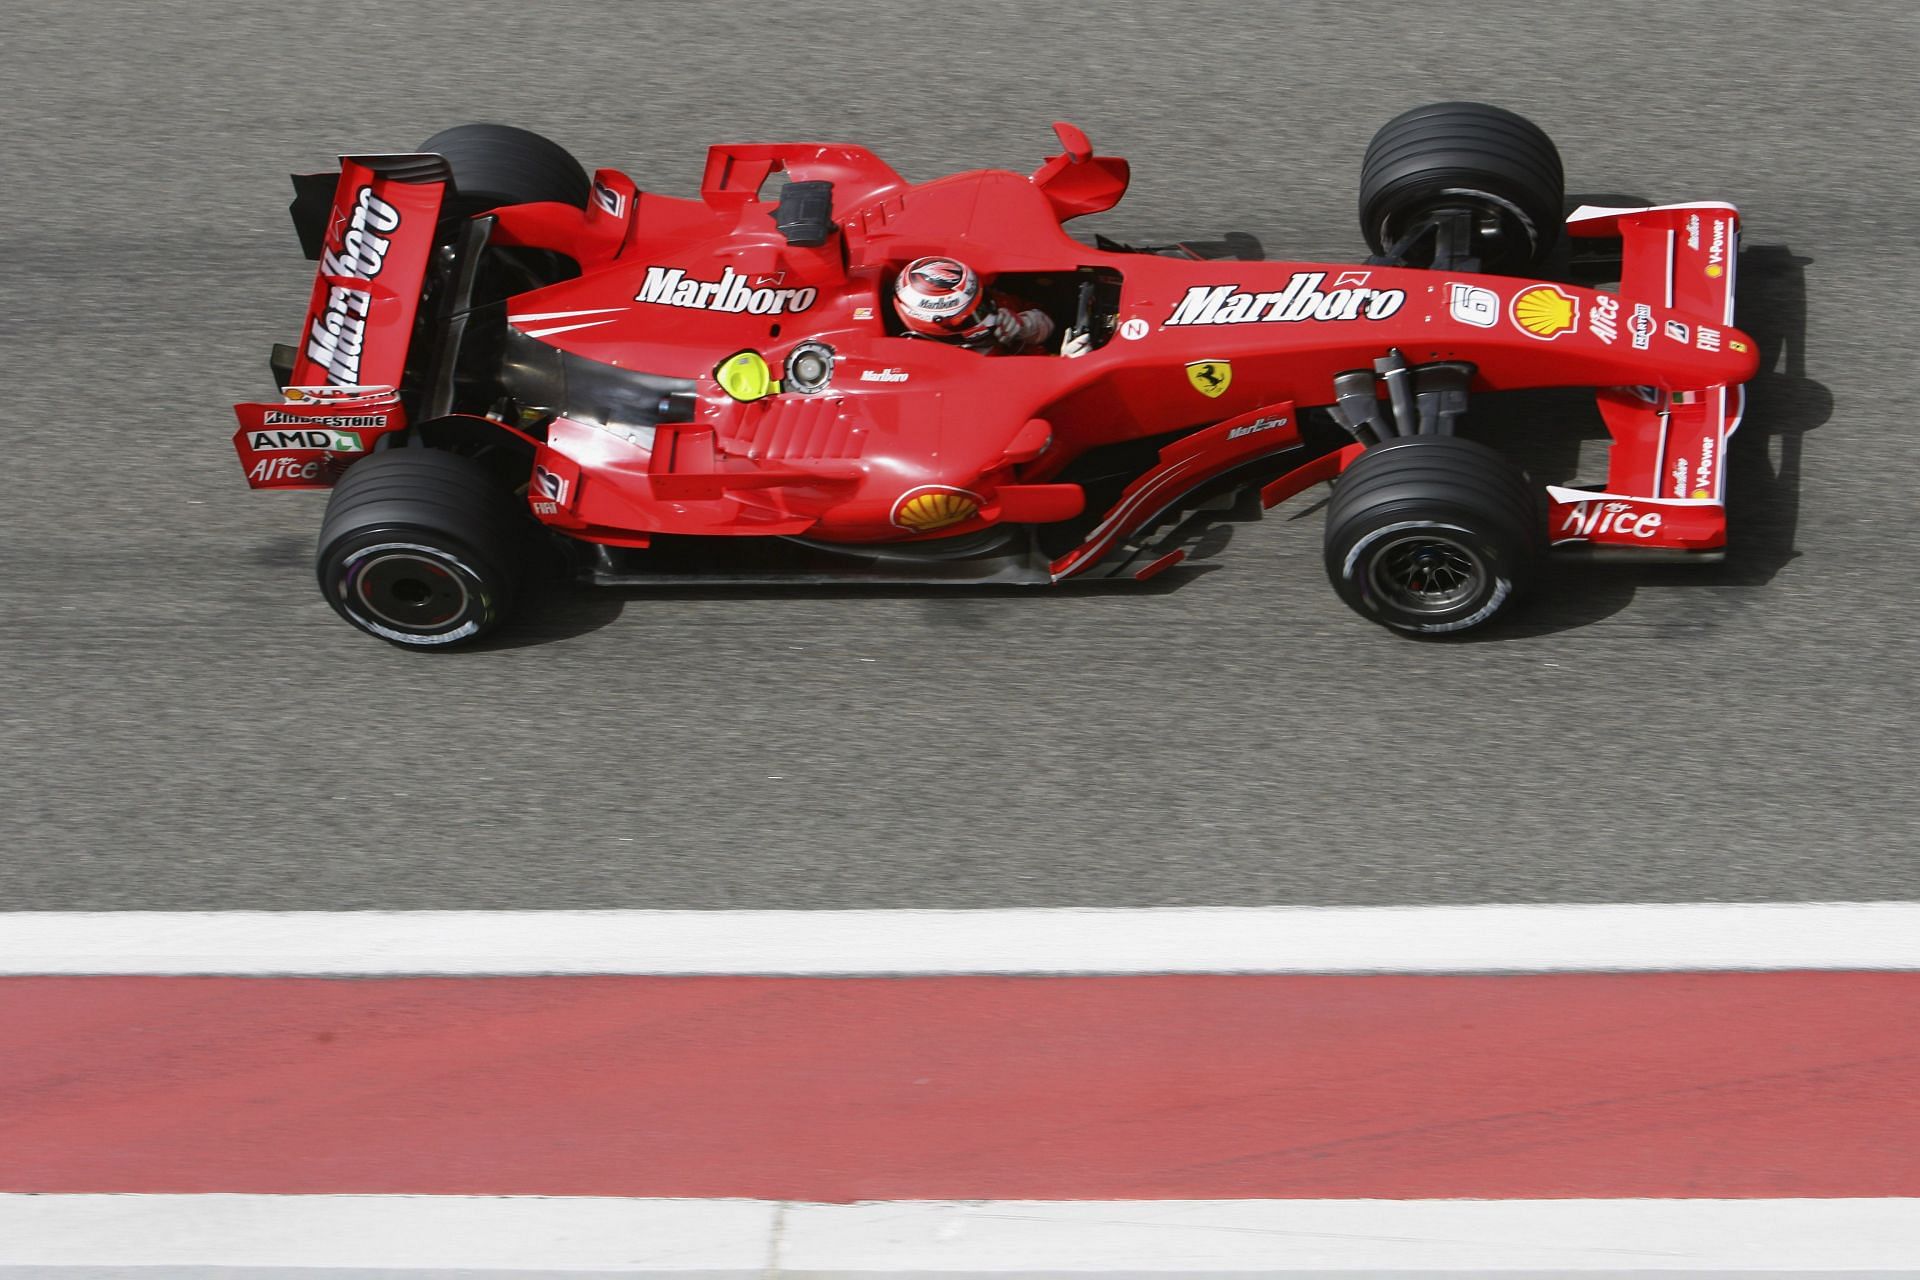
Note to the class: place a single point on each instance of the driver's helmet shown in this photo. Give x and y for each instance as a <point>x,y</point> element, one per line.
<point>941,298</point>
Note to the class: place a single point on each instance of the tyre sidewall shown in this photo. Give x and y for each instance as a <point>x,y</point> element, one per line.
<point>1499,556</point>
<point>486,587</point>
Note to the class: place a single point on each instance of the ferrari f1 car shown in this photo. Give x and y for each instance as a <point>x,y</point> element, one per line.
<point>509,367</point>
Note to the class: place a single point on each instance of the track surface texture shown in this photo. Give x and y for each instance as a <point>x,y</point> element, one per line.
<point>185,725</point>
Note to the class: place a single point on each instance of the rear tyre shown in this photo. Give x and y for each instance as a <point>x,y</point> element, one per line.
<point>1499,167</point>
<point>1433,535</point>
<point>497,164</point>
<point>422,548</point>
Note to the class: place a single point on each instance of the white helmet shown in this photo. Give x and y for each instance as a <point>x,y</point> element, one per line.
<point>940,298</point>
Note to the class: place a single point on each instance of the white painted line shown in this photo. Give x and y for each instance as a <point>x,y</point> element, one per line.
<point>1268,1236</point>
<point>1475,939</point>
<point>680,1237</point>
<point>439,1232</point>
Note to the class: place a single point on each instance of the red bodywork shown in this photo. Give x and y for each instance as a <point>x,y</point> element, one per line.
<point>915,439</point>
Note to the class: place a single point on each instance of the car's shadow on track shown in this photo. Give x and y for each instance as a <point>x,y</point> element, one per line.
<point>1545,432</point>
<point>561,611</point>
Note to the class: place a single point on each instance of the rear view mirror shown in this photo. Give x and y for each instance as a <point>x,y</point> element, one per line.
<point>1073,141</point>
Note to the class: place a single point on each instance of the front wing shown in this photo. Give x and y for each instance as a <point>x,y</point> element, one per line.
<point>1666,473</point>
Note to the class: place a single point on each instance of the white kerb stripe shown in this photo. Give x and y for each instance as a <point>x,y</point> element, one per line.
<point>680,1237</point>
<point>1472,939</point>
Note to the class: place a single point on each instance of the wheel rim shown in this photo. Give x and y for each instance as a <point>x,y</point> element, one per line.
<point>1426,573</point>
<point>409,587</point>
<point>1503,233</point>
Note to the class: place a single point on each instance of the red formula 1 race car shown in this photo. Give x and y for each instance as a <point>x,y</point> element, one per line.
<point>819,371</point>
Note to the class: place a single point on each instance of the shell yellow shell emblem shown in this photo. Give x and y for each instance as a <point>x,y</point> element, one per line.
<point>1210,378</point>
<point>926,509</point>
<point>1544,311</point>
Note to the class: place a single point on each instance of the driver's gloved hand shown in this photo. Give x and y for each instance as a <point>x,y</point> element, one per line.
<point>1021,330</point>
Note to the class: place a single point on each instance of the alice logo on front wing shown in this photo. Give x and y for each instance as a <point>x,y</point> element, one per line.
<point>1591,519</point>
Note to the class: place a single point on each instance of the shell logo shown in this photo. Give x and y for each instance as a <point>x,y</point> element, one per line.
<point>926,509</point>
<point>1545,311</point>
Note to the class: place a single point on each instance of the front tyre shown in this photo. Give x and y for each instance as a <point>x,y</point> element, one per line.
<point>1433,535</point>
<point>422,548</point>
<point>1500,169</point>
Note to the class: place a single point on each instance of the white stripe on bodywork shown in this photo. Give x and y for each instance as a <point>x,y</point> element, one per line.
<point>1673,248</point>
<point>1559,494</point>
<point>562,315</point>
<point>1720,446</point>
<point>1594,212</point>
<point>1733,257</point>
<point>1100,540</point>
<point>565,328</point>
<point>1665,413</point>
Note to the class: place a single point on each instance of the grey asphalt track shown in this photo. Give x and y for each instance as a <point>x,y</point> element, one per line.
<point>184,724</point>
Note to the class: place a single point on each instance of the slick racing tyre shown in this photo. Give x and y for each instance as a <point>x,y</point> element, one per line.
<point>497,164</point>
<point>422,548</point>
<point>1433,535</point>
<point>1499,167</point>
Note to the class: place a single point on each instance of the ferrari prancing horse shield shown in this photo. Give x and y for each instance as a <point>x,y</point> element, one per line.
<point>1210,377</point>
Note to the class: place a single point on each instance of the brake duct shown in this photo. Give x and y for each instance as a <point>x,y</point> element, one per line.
<point>1426,399</point>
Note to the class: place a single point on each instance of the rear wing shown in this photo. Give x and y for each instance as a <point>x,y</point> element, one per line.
<point>373,240</point>
<point>1666,472</point>
<point>373,259</point>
